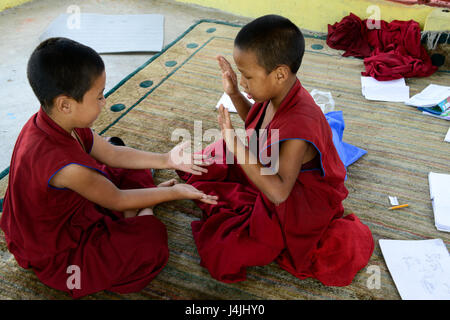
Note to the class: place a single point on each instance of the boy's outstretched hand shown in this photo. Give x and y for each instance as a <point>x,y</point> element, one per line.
<point>179,158</point>
<point>229,78</point>
<point>187,191</point>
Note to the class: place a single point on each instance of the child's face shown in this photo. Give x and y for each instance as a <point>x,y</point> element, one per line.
<point>87,111</point>
<point>255,81</point>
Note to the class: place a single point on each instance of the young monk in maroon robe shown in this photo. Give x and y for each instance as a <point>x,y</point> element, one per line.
<point>75,211</point>
<point>294,215</point>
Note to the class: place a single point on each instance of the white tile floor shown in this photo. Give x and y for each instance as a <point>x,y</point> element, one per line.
<point>20,28</point>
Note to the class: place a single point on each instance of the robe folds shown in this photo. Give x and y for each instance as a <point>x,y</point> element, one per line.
<point>390,50</point>
<point>57,232</point>
<point>307,234</point>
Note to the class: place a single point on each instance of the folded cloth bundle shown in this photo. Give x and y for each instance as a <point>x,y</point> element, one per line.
<point>390,50</point>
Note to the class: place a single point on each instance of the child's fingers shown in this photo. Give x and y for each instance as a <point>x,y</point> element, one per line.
<point>202,160</point>
<point>222,111</point>
<point>206,163</point>
<point>202,163</point>
<point>194,172</point>
<point>209,199</point>
<point>231,76</point>
<point>226,114</point>
<point>223,63</point>
<point>200,195</point>
<point>168,183</point>
<point>227,70</point>
<point>199,169</point>
<point>220,118</point>
<point>227,120</point>
<point>228,66</point>
<point>185,145</point>
<point>199,156</point>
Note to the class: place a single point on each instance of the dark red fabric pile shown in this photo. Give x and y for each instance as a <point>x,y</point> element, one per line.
<point>390,51</point>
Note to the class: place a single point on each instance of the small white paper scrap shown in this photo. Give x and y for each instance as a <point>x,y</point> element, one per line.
<point>419,268</point>
<point>393,200</point>
<point>227,103</point>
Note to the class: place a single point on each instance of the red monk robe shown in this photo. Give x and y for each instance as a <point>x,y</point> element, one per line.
<point>49,229</point>
<point>307,234</point>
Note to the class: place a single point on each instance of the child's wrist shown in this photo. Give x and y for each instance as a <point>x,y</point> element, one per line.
<point>167,161</point>
<point>176,193</point>
<point>235,94</point>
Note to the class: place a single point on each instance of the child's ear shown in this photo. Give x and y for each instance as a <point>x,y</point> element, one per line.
<point>63,104</point>
<point>282,73</point>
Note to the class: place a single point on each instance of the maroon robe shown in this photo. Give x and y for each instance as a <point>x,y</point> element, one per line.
<point>307,234</point>
<point>50,229</point>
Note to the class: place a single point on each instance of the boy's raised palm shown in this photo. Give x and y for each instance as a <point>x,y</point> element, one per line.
<point>226,127</point>
<point>229,78</point>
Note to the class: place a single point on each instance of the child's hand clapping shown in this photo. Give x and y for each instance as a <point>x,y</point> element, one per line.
<point>229,78</point>
<point>179,158</point>
<point>226,127</point>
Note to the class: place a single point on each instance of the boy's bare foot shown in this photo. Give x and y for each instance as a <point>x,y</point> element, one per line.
<point>145,212</point>
<point>168,183</point>
<point>137,213</point>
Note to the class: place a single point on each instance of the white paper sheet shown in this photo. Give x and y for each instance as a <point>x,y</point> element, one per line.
<point>447,136</point>
<point>227,103</point>
<point>111,33</point>
<point>420,268</point>
<point>430,96</point>
<point>440,197</point>
<point>392,90</point>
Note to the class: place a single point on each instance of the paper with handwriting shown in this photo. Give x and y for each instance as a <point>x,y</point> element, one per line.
<point>420,268</point>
